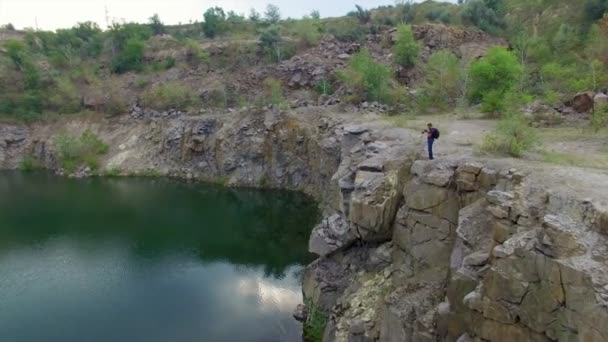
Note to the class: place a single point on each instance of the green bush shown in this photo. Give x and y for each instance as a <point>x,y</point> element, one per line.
<point>64,97</point>
<point>324,87</point>
<point>131,58</point>
<point>442,85</point>
<point>26,106</point>
<point>165,64</point>
<point>74,152</point>
<point>512,136</point>
<point>307,31</point>
<point>29,163</point>
<point>406,48</point>
<point>493,78</point>
<point>170,96</point>
<point>271,42</point>
<point>195,55</point>
<point>599,117</point>
<point>366,79</point>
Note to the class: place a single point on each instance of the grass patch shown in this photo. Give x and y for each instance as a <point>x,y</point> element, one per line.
<point>74,152</point>
<point>512,136</point>
<point>569,159</point>
<point>29,163</point>
<point>170,96</point>
<point>314,327</point>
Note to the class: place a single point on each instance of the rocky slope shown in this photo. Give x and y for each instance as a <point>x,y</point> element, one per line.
<point>459,249</point>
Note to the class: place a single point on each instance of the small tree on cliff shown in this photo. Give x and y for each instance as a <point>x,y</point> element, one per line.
<point>406,48</point>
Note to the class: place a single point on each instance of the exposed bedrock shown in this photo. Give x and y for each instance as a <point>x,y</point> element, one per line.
<point>478,252</point>
<point>457,249</point>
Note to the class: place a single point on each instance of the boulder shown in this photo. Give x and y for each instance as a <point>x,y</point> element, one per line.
<point>332,234</point>
<point>301,313</point>
<point>600,99</point>
<point>582,102</point>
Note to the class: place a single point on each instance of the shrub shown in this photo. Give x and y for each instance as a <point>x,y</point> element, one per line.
<point>442,84</point>
<point>440,14</point>
<point>112,99</point>
<point>307,31</point>
<point>270,41</point>
<point>165,64</point>
<point>214,23</point>
<point>478,13</point>
<point>195,55</point>
<point>493,77</point>
<point>156,25</point>
<point>314,327</point>
<point>406,48</point>
<point>170,96</point>
<point>513,136</point>
<point>131,58</point>
<point>364,16</point>
<point>367,79</point>
<point>77,151</point>
<point>566,39</point>
<point>599,117</point>
<point>345,29</point>
<point>29,163</point>
<point>64,97</point>
<point>273,90</point>
<point>324,87</point>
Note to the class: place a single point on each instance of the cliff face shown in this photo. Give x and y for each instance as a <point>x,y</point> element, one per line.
<point>476,251</point>
<point>410,250</point>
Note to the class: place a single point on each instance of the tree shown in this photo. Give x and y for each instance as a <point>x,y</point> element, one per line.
<point>215,19</point>
<point>363,15</point>
<point>566,39</point>
<point>493,78</point>
<point>8,27</point>
<point>477,13</point>
<point>234,20</point>
<point>315,14</point>
<point>442,79</point>
<point>254,16</point>
<point>406,48</point>
<point>529,12</point>
<point>270,40</point>
<point>156,25</point>
<point>272,14</point>
<point>595,9</point>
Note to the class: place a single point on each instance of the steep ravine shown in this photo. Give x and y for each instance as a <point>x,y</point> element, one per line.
<point>452,250</point>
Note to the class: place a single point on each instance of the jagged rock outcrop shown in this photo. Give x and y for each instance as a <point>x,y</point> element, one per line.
<point>480,251</point>
<point>13,139</point>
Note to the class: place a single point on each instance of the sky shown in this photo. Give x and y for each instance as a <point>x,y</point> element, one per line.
<point>53,14</point>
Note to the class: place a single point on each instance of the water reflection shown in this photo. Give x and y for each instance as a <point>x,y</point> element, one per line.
<point>220,266</point>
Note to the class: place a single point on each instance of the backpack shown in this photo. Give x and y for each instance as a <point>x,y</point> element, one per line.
<point>436,133</point>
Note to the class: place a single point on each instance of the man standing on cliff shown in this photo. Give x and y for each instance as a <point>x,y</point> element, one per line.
<point>432,135</point>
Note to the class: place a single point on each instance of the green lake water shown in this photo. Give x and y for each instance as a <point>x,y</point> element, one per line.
<point>132,260</point>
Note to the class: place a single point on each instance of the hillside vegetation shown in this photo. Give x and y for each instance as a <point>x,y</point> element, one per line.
<point>557,49</point>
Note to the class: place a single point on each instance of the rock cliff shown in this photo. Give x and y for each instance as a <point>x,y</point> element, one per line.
<point>460,249</point>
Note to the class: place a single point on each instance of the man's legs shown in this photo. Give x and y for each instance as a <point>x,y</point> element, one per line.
<point>430,142</point>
